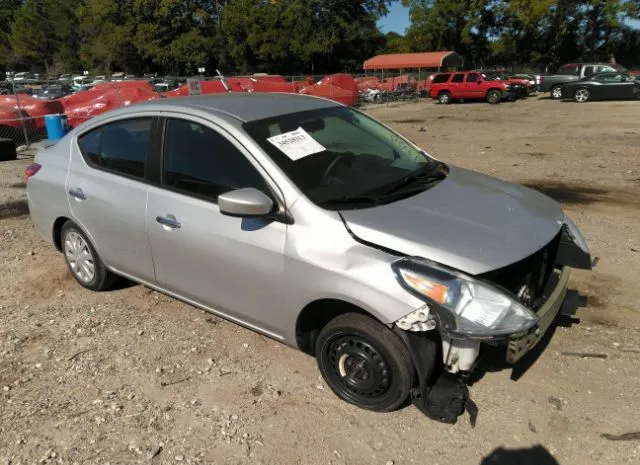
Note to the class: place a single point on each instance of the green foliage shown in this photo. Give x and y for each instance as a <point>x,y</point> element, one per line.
<point>303,36</point>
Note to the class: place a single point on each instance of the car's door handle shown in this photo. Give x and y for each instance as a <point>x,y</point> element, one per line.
<point>78,194</point>
<point>169,221</point>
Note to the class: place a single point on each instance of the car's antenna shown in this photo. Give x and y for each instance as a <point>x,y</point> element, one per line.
<point>223,80</point>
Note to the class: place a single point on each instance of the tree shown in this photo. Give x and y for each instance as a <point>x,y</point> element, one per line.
<point>7,11</point>
<point>460,25</point>
<point>44,35</point>
<point>395,43</point>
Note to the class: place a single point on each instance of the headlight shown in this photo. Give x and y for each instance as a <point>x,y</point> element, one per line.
<point>465,307</point>
<point>575,234</point>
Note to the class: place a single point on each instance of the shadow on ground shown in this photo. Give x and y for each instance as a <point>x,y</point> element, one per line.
<point>13,209</point>
<point>536,455</point>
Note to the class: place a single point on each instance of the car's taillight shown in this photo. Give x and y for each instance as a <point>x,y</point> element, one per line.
<point>32,169</point>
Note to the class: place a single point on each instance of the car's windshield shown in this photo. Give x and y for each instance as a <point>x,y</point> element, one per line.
<point>339,156</point>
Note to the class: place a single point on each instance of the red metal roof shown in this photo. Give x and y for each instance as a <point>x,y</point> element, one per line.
<point>407,60</point>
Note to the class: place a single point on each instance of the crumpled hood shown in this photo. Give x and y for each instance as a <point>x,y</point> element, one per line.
<point>468,221</point>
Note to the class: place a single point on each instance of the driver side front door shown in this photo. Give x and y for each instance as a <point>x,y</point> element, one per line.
<point>233,266</point>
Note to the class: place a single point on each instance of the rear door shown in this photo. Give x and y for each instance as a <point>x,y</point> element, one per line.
<point>232,265</point>
<point>107,191</point>
<point>457,86</point>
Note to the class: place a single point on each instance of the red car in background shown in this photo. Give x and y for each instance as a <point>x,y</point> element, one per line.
<point>468,85</point>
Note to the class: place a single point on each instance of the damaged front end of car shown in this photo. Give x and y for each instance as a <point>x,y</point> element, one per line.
<point>511,307</point>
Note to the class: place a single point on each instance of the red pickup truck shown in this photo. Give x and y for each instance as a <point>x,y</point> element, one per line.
<point>447,87</point>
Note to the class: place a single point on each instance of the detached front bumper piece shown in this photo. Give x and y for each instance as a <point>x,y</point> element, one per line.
<point>555,293</point>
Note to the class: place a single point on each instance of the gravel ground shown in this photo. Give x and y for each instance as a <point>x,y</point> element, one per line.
<point>133,376</point>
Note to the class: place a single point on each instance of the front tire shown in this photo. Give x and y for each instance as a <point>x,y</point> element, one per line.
<point>444,98</point>
<point>494,96</point>
<point>582,95</point>
<point>83,261</point>
<point>556,92</point>
<point>365,363</point>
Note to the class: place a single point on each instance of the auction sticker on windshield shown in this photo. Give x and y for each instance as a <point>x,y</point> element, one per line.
<point>296,144</point>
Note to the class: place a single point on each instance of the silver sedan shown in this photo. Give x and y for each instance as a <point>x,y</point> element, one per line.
<point>316,225</point>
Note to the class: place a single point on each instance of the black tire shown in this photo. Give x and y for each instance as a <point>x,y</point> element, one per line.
<point>494,96</point>
<point>365,363</point>
<point>102,279</point>
<point>556,92</point>
<point>444,98</point>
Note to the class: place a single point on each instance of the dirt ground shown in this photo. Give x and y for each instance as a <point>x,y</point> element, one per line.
<point>133,376</point>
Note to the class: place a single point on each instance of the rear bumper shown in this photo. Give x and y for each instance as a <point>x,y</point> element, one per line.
<point>556,291</point>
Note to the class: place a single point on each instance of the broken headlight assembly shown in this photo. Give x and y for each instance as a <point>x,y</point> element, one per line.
<point>464,307</point>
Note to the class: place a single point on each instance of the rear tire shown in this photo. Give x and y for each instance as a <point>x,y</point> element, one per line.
<point>556,92</point>
<point>494,97</point>
<point>365,363</point>
<point>444,98</point>
<point>83,261</point>
<point>582,95</point>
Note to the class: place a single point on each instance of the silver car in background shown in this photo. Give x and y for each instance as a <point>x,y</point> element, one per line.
<point>318,226</point>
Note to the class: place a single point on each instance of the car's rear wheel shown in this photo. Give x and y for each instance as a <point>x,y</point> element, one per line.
<point>582,95</point>
<point>444,98</point>
<point>365,363</point>
<point>556,92</point>
<point>494,96</point>
<point>83,261</point>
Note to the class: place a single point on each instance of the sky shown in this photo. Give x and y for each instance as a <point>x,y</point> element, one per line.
<point>397,20</point>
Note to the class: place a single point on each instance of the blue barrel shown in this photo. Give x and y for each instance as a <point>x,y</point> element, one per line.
<point>57,126</point>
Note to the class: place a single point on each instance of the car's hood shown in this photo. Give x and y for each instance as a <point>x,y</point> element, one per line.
<point>468,221</point>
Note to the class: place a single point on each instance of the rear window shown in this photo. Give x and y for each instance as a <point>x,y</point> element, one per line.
<point>440,78</point>
<point>568,70</point>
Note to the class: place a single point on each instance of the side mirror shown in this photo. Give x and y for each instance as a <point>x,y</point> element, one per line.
<point>246,202</point>
<point>479,81</point>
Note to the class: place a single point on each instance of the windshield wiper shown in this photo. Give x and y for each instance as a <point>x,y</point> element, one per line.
<point>349,200</point>
<point>416,176</point>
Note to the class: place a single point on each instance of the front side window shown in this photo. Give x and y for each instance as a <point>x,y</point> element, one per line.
<point>119,147</point>
<point>473,77</point>
<point>202,162</point>
<point>339,156</point>
<point>458,78</point>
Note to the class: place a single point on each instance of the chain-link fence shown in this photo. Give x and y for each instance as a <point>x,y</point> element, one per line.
<point>24,104</point>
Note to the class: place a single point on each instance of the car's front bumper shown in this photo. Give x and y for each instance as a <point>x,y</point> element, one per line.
<point>555,293</point>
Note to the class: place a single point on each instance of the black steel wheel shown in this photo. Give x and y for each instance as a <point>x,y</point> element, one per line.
<point>365,363</point>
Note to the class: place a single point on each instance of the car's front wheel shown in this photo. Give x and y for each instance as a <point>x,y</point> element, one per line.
<point>365,363</point>
<point>494,96</point>
<point>582,95</point>
<point>83,261</point>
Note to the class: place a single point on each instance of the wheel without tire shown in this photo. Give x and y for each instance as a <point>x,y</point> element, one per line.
<point>494,96</point>
<point>556,92</point>
<point>365,363</point>
<point>83,261</point>
<point>582,95</point>
<point>444,98</point>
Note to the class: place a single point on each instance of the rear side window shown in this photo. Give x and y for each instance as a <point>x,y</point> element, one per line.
<point>589,70</point>
<point>202,162</point>
<point>441,78</point>
<point>458,78</point>
<point>119,147</point>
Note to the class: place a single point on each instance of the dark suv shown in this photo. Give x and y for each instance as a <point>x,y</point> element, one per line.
<point>448,87</point>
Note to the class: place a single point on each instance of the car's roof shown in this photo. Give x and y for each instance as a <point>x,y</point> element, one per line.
<point>242,105</point>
